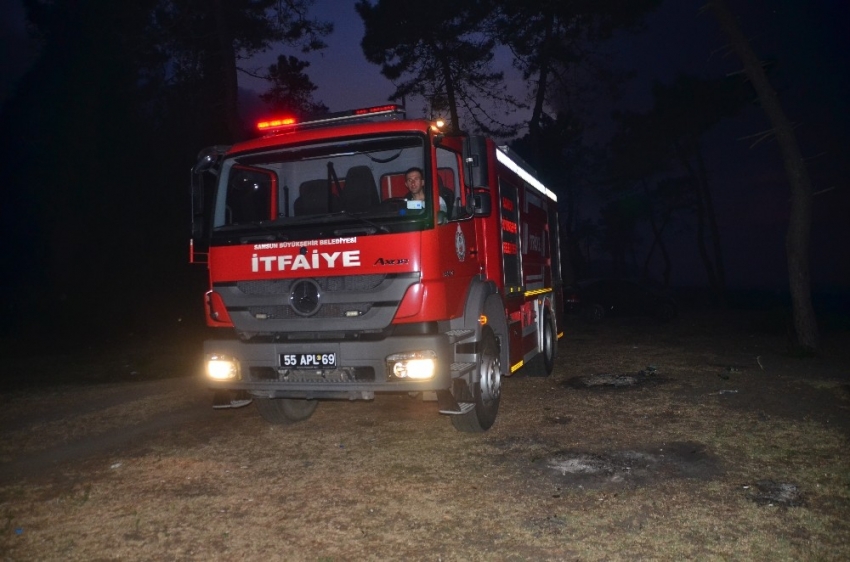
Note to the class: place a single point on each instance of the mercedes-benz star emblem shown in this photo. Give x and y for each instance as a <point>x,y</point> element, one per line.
<point>305,297</point>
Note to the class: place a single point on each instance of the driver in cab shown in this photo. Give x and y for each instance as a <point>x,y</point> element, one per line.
<point>414,179</point>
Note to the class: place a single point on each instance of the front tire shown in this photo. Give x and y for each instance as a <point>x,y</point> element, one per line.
<point>486,391</point>
<point>285,411</point>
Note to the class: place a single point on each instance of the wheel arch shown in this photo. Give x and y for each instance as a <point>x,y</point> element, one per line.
<point>483,298</point>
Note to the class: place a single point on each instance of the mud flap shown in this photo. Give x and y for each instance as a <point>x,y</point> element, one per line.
<point>223,399</point>
<point>449,406</point>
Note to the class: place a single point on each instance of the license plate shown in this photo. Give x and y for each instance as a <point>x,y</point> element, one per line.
<point>308,360</point>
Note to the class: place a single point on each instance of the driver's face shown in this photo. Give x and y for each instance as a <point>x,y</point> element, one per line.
<point>414,183</point>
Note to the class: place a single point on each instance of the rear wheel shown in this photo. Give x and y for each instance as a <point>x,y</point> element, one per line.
<point>486,391</point>
<point>284,411</point>
<point>544,362</point>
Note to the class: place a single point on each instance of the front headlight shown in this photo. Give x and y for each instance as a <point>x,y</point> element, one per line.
<point>222,368</point>
<point>413,365</point>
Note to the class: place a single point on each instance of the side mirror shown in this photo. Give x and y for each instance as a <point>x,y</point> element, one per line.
<point>208,158</point>
<point>476,162</point>
<point>481,203</point>
<point>202,189</point>
<point>202,198</point>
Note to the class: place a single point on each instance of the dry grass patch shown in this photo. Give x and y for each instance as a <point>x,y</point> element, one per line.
<point>86,413</point>
<point>667,470</point>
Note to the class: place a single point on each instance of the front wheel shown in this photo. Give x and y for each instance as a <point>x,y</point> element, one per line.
<point>486,391</point>
<point>285,411</point>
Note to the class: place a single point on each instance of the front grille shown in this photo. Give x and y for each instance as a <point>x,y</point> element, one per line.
<point>325,311</point>
<point>328,285</point>
<point>359,303</point>
<point>335,283</point>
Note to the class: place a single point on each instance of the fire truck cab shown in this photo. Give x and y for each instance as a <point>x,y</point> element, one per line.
<point>334,282</point>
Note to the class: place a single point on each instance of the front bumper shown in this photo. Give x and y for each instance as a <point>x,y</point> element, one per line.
<point>361,367</point>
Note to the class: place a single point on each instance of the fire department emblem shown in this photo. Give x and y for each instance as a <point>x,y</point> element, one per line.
<point>460,244</point>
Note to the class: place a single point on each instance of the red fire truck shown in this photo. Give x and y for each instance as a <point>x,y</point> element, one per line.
<point>335,283</point>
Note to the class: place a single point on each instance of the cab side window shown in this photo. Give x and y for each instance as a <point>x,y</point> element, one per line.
<point>249,195</point>
<point>448,181</point>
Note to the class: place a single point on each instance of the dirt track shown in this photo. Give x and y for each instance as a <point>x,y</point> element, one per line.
<point>692,462</point>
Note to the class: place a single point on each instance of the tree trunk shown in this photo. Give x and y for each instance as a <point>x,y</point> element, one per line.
<point>657,240</point>
<point>229,79</point>
<point>701,243</point>
<point>448,77</point>
<point>800,221</point>
<point>542,85</point>
<point>711,215</point>
<point>701,211</point>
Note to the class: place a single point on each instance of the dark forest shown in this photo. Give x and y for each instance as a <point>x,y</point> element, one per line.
<point>103,127</point>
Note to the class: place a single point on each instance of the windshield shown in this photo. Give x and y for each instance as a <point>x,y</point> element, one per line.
<point>357,184</point>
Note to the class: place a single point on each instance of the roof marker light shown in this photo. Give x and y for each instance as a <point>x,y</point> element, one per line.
<point>377,109</point>
<point>276,125</point>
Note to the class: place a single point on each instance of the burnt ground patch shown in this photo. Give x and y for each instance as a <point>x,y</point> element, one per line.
<point>770,493</point>
<point>603,381</point>
<point>630,467</point>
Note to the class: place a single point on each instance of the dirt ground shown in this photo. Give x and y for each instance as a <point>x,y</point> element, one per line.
<point>700,439</point>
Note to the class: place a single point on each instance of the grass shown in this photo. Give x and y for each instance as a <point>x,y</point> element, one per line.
<point>391,480</point>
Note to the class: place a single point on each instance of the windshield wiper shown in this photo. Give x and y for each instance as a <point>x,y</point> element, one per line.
<point>269,231</point>
<point>375,226</point>
<point>335,217</point>
<point>269,234</point>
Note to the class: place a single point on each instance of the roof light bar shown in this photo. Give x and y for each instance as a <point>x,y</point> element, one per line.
<point>502,157</point>
<point>276,125</point>
<point>388,108</point>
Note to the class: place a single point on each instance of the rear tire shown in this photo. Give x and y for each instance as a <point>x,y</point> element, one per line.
<point>285,411</point>
<point>486,391</point>
<point>543,363</point>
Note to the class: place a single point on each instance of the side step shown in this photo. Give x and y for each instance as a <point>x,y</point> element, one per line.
<point>459,335</point>
<point>445,401</point>
<point>460,369</point>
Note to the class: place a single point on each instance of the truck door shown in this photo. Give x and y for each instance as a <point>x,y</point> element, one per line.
<point>456,233</point>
